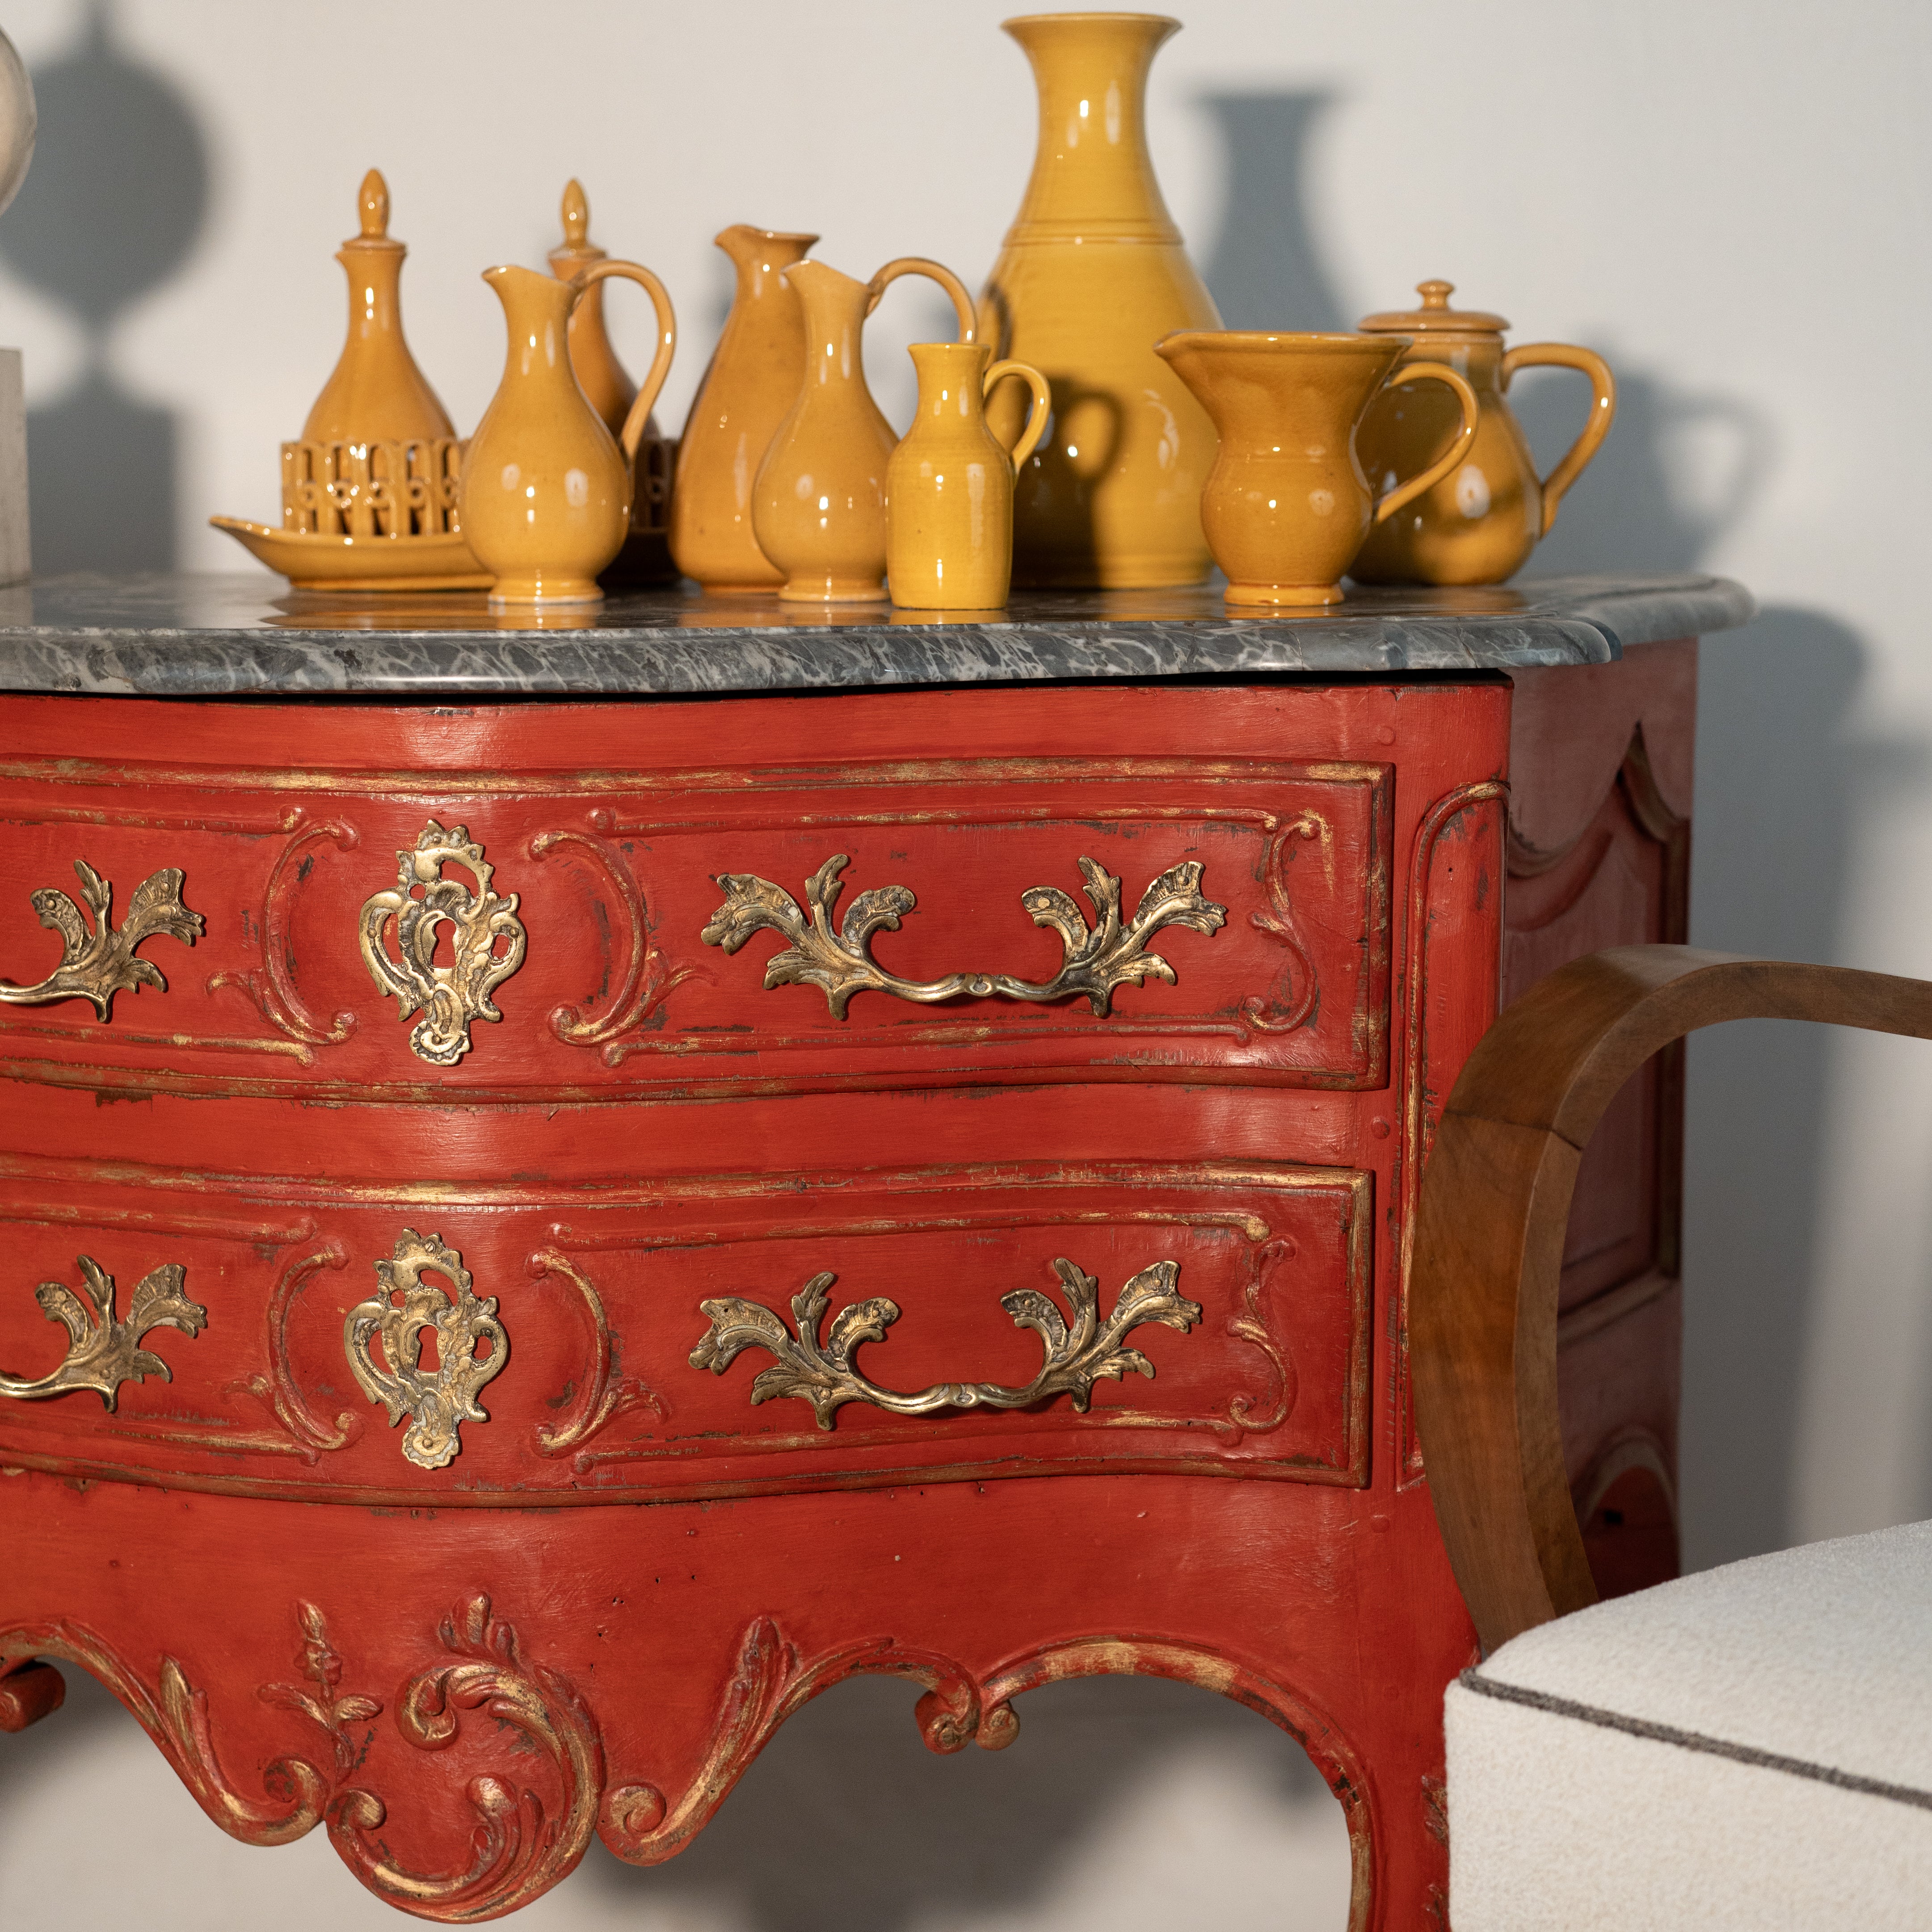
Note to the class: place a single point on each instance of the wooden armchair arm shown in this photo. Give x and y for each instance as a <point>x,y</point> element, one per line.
<point>1490,1221</point>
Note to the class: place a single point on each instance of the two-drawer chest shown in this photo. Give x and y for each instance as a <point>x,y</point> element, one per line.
<point>565,1191</point>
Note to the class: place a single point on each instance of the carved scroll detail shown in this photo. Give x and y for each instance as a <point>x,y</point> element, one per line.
<point>823,1373</point>
<point>606,1394</point>
<point>1099,958</point>
<point>95,965</point>
<point>271,986</point>
<point>455,995</point>
<point>437,1404</point>
<point>278,1387</point>
<point>1252,1326</point>
<point>1278,922</point>
<point>519,1853</point>
<point>177,1722</point>
<point>648,976</point>
<point>102,1352</point>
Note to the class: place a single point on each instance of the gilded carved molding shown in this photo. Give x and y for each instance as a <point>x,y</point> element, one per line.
<point>647,977</point>
<point>822,1371</point>
<point>421,904</point>
<point>278,1389</point>
<point>96,965</point>
<point>271,986</point>
<point>607,1393</point>
<point>471,1347</point>
<point>102,1351</point>
<point>1099,959</point>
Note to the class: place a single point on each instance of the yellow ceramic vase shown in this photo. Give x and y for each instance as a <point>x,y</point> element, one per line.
<point>1286,505</point>
<point>546,491</point>
<point>1479,526</point>
<point>818,508</point>
<point>1092,274</point>
<point>950,485</point>
<point>376,394</point>
<point>748,391</point>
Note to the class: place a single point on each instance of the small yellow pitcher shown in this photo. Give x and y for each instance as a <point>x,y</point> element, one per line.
<point>1286,505</point>
<point>1479,526</point>
<point>950,485</point>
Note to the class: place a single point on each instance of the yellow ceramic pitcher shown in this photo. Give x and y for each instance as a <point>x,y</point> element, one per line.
<point>546,491</point>
<point>1286,505</point>
<point>1480,526</point>
<point>950,485</point>
<point>818,508</point>
<point>747,392</point>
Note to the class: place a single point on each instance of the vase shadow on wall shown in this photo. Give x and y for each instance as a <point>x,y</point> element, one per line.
<point>1281,284</point>
<point>1786,783</point>
<point>848,1823</point>
<point>110,210</point>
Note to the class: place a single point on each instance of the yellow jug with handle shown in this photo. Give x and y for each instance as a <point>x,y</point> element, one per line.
<point>546,489</point>
<point>950,485</point>
<point>1480,526</point>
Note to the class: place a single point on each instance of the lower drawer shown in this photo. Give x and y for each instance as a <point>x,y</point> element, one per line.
<point>713,1336</point>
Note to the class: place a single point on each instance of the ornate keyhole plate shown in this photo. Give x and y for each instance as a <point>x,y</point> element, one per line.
<point>404,1308</point>
<point>421,902</point>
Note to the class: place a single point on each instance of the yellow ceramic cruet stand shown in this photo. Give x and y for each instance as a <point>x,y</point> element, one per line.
<point>1480,525</point>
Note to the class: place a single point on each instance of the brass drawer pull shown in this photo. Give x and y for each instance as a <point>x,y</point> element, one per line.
<point>823,1374</point>
<point>1098,958</point>
<point>102,1353</point>
<point>97,965</point>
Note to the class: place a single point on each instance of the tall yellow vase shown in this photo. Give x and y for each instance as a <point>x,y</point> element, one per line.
<point>1093,274</point>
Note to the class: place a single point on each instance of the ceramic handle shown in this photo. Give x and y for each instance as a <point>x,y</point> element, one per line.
<point>1037,416</point>
<point>1603,411</point>
<point>934,272</point>
<point>647,393</point>
<point>1407,492</point>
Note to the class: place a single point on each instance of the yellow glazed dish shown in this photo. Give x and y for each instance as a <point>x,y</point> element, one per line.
<point>1479,526</point>
<point>1286,505</point>
<point>317,560</point>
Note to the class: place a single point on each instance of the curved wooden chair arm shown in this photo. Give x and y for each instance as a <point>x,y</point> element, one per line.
<point>1490,1222</point>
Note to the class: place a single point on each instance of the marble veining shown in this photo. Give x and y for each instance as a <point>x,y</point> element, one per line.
<point>190,636</point>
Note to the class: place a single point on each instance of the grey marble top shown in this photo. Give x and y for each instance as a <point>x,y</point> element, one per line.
<point>213,636</point>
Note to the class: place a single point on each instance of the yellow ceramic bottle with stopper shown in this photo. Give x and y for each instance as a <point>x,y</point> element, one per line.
<point>546,495</point>
<point>950,485</point>
<point>1480,525</point>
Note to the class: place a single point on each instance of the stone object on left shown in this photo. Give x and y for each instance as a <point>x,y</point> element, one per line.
<point>19,122</point>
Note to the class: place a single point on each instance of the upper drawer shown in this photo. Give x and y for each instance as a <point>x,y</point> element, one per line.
<point>605,934</point>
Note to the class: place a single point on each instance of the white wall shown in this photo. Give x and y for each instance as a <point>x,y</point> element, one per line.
<point>1727,197</point>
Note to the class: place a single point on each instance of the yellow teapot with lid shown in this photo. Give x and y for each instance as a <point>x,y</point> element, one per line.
<point>1478,525</point>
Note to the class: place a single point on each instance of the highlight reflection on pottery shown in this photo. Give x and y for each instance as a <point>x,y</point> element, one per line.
<point>1479,526</point>
<point>748,389</point>
<point>1091,274</point>
<point>950,485</point>
<point>818,508</point>
<point>1286,505</point>
<point>546,489</point>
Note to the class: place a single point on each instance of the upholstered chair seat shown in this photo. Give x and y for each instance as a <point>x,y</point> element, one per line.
<point>1749,1748</point>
